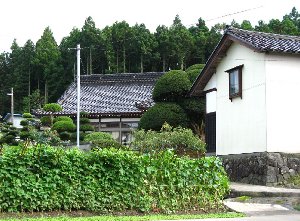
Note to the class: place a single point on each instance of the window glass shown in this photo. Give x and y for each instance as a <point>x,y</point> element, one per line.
<point>132,125</point>
<point>110,124</point>
<point>234,82</point>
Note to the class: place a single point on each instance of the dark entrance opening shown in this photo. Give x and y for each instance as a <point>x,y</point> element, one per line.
<point>210,132</point>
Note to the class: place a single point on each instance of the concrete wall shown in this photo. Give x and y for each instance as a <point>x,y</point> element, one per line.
<point>283,103</point>
<point>241,123</point>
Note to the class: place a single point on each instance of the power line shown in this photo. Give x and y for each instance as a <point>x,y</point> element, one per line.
<point>234,13</point>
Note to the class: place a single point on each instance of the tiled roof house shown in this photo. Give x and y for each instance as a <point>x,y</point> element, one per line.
<point>251,83</point>
<point>114,102</point>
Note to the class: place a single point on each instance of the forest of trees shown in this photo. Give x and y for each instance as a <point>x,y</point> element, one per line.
<point>40,72</point>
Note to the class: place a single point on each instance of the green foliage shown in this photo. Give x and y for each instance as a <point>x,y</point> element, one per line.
<point>134,218</point>
<point>62,118</point>
<point>197,67</point>
<point>65,135</point>
<point>179,139</point>
<point>52,107</point>
<point>95,136</point>
<point>47,179</point>
<point>160,113</point>
<point>61,126</point>
<point>9,134</point>
<point>171,86</point>
<point>84,120</point>
<point>100,140</point>
<point>24,123</point>
<point>193,74</point>
<point>27,115</point>
<point>46,120</point>
<point>242,198</point>
<point>86,127</point>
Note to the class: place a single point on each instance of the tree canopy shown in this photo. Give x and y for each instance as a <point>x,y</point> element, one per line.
<point>40,71</point>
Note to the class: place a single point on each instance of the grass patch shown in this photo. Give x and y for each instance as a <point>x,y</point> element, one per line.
<point>295,180</point>
<point>243,198</point>
<point>133,218</point>
<point>297,207</point>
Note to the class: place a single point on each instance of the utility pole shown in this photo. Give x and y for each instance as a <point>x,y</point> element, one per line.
<point>78,93</point>
<point>12,105</point>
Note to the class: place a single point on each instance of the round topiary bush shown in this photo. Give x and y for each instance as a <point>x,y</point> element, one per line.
<point>27,115</point>
<point>61,126</point>
<point>160,113</point>
<point>171,86</point>
<point>95,136</point>
<point>65,135</point>
<point>24,123</point>
<point>52,107</point>
<point>193,74</point>
<point>86,127</point>
<point>84,120</point>
<point>46,120</point>
<point>62,118</point>
<point>195,67</point>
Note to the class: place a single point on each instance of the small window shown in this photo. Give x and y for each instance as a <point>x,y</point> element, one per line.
<point>235,82</point>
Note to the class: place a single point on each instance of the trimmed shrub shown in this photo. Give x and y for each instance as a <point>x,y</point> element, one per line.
<point>95,136</point>
<point>160,113</point>
<point>65,135</point>
<point>193,74</point>
<point>84,120</point>
<point>61,126</point>
<point>52,107</point>
<point>25,135</point>
<point>181,140</point>
<point>86,127</point>
<point>195,67</point>
<point>48,179</point>
<point>62,118</point>
<point>81,136</point>
<point>24,123</point>
<point>27,115</point>
<point>46,120</point>
<point>172,86</point>
<point>100,140</point>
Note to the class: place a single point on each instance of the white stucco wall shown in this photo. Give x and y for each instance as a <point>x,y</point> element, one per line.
<point>211,97</point>
<point>241,124</point>
<point>283,103</point>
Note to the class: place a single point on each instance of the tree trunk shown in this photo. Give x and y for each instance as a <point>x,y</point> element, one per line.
<point>124,59</point>
<point>46,92</point>
<point>181,63</point>
<point>164,63</point>
<point>117,62</point>
<point>142,65</point>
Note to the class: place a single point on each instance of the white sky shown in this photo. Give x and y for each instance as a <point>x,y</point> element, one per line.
<point>26,19</point>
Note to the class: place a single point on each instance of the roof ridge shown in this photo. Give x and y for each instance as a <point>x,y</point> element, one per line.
<point>265,34</point>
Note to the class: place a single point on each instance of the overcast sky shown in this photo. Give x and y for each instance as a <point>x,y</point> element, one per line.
<point>26,19</point>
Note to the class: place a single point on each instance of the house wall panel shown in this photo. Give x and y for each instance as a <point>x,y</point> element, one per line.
<point>283,105</point>
<point>241,123</point>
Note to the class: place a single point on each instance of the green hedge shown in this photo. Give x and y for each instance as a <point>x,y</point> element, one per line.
<point>46,179</point>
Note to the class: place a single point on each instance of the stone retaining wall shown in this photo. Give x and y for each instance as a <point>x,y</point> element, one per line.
<point>265,168</point>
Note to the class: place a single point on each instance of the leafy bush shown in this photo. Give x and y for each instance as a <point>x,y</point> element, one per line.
<point>24,123</point>
<point>47,179</point>
<point>81,136</point>
<point>100,140</point>
<point>52,107</point>
<point>27,115</point>
<point>62,118</point>
<point>84,120</point>
<point>46,120</point>
<point>95,136</point>
<point>197,67</point>
<point>179,139</point>
<point>65,135</point>
<point>193,74</point>
<point>25,135</point>
<point>61,126</point>
<point>86,127</point>
<point>171,86</point>
<point>160,113</point>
